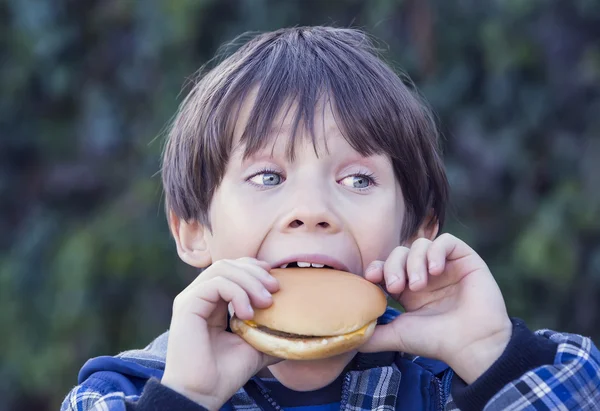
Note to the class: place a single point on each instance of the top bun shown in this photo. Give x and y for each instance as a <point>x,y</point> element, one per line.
<point>321,302</point>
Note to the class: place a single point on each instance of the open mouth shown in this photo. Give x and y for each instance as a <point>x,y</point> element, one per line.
<point>311,261</point>
<point>304,264</point>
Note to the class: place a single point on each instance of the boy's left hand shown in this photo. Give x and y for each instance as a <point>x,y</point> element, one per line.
<point>454,308</point>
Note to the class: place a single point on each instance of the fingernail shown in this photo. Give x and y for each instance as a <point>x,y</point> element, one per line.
<point>266,293</point>
<point>250,309</point>
<point>432,266</point>
<point>370,268</point>
<point>415,278</point>
<point>392,280</point>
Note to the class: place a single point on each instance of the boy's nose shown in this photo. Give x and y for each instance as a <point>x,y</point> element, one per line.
<point>305,219</point>
<point>300,223</point>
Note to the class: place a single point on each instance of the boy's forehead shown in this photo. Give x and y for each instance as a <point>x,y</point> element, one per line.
<point>282,135</point>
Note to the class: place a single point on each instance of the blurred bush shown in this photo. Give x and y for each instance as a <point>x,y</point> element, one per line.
<point>87,267</point>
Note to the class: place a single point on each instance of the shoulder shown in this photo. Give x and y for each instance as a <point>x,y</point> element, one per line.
<point>111,380</point>
<point>571,346</point>
<point>143,363</point>
<point>96,394</point>
<point>153,355</point>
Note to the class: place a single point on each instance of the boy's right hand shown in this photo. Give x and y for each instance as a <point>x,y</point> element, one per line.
<point>204,362</point>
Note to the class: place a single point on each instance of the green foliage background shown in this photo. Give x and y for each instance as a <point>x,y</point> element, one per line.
<point>87,267</point>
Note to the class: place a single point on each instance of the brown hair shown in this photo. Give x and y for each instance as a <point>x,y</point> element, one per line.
<point>377,111</point>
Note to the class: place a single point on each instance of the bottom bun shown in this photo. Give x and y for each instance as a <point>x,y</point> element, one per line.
<point>303,348</point>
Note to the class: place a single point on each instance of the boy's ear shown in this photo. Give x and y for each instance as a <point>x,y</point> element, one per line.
<point>429,229</point>
<point>190,239</point>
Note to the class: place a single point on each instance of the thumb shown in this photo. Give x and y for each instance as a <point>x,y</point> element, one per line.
<point>384,338</point>
<point>267,360</point>
<point>405,334</point>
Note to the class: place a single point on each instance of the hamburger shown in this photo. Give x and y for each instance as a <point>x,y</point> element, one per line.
<point>317,313</point>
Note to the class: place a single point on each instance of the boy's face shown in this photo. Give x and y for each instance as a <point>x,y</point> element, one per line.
<point>336,208</point>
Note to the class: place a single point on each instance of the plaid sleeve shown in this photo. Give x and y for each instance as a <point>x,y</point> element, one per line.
<point>571,383</point>
<point>86,398</point>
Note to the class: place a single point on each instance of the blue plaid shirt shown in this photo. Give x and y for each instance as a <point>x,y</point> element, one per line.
<point>572,382</point>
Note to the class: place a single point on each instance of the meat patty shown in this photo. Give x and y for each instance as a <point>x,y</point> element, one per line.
<point>283,334</point>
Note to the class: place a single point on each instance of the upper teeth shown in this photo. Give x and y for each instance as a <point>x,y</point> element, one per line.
<point>304,264</point>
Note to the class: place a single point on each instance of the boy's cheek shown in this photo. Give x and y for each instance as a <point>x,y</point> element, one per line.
<point>379,237</point>
<point>377,248</point>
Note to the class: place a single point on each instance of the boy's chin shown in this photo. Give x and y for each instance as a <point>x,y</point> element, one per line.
<point>309,375</point>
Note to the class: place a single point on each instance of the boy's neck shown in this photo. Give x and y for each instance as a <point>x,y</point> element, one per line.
<point>308,375</point>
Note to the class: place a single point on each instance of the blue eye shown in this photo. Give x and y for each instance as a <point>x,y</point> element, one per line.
<point>357,181</point>
<point>266,178</point>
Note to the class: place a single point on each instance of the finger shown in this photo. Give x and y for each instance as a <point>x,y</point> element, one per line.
<point>374,272</point>
<point>454,248</point>
<point>268,360</point>
<point>260,296</point>
<point>263,264</point>
<point>447,248</point>
<point>204,299</point>
<point>384,339</point>
<point>436,257</point>
<point>214,270</point>
<point>416,264</point>
<point>394,270</point>
<point>223,266</point>
<point>405,334</point>
<point>258,272</point>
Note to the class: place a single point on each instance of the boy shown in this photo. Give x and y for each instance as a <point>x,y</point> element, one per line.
<point>304,145</point>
